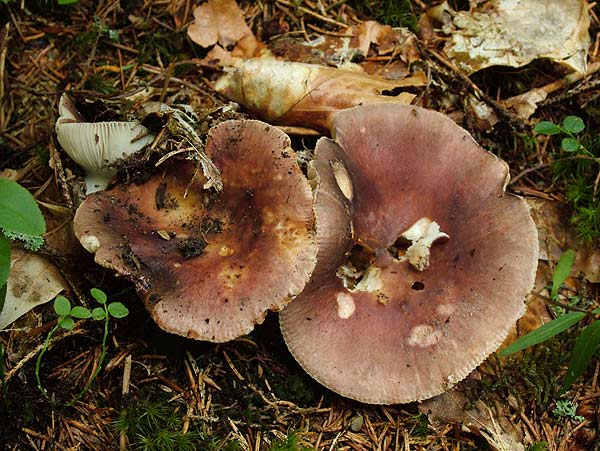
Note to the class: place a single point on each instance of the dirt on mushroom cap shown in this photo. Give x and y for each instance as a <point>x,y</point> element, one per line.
<point>209,266</point>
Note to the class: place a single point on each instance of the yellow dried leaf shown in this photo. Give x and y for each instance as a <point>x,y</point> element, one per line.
<point>307,95</point>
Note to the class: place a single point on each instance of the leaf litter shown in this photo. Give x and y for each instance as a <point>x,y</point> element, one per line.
<point>248,392</point>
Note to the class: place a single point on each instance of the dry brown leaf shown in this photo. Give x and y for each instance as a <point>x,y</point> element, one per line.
<point>513,33</point>
<point>219,21</point>
<point>32,281</point>
<point>524,105</point>
<point>307,95</point>
<point>389,40</point>
<point>555,235</point>
<point>492,422</point>
<point>371,31</point>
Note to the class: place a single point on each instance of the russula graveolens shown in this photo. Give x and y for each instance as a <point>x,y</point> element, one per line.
<point>96,146</point>
<point>379,322</point>
<point>210,265</point>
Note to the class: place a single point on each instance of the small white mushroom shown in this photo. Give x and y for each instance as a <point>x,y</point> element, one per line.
<point>96,146</point>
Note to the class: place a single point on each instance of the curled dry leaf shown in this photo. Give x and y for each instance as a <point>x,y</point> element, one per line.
<point>32,281</point>
<point>307,95</point>
<point>509,33</point>
<point>492,422</point>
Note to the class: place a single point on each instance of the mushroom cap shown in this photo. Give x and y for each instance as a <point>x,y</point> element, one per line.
<point>401,341</point>
<point>210,265</point>
<point>95,146</point>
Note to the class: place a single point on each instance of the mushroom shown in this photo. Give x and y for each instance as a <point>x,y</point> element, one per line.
<point>96,146</point>
<point>378,325</point>
<point>210,265</point>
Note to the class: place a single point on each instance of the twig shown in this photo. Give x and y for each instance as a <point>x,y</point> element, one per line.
<point>559,304</point>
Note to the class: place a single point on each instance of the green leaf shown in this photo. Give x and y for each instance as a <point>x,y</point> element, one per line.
<point>66,323</point>
<point>585,347</point>
<point>548,330</point>
<point>98,313</point>
<point>2,296</point>
<point>67,2</point>
<point>573,124</point>
<point>562,271</point>
<point>570,145</point>
<point>547,128</point>
<point>80,312</point>
<point>117,310</point>
<point>62,306</point>
<point>19,212</point>
<point>98,295</point>
<point>4,260</point>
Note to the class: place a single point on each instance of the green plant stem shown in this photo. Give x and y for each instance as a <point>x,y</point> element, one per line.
<point>38,362</point>
<point>100,362</point>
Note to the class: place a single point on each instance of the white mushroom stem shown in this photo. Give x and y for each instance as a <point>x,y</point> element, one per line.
<point>422,234</point>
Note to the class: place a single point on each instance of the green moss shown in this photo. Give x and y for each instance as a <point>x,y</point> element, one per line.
<point>297,388</point>
<point>152,424</point>
<point>289,443</point>
<point>397,13</point>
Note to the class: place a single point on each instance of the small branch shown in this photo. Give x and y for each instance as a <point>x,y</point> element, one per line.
<point>559,304</point>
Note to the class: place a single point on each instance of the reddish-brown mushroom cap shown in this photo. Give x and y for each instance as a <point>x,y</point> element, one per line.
<point>209,265</point>
<point>408,334</point>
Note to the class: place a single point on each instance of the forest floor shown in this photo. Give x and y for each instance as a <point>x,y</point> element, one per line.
<point>160,391</point>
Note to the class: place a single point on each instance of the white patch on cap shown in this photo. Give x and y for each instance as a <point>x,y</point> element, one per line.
<point>423,336</point>
<point>445,309</point>
<point>342,178</point>
<point>345,304</point>
<point>90,243</point>
<point>422,234</point>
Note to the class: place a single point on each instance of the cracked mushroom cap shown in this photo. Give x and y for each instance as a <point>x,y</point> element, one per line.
<point>210,265</point>
<point>392,329</point>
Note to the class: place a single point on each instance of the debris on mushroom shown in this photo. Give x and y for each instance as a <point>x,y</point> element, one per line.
<point>96,146</point>
<point>308,95</point>
<point>422,234</point>
<point>209,265</point>
<point>395,334</point>
<point>180,121</point>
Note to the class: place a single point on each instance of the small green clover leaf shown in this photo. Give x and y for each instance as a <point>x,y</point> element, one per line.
<point>66,323</point>
<point>98,314</point>
<point>117,310</point>
<point>80,312</point>
<point>547,128</point>
<point>570,145</point>
<point>573,124</point>
<point>98,295</point>
<point>62,306</point>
